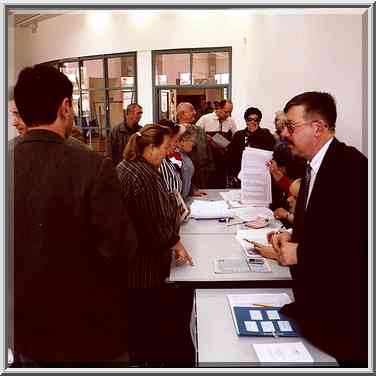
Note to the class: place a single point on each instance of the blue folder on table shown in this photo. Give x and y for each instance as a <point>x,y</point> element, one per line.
<point>264,321</point>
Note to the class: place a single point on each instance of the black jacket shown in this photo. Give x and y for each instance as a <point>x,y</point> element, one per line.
<point>330,278</point>
<point>260,139</point>
<point>71,243</point>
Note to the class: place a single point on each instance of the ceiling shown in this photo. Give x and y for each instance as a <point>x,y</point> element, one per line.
<point>25,20</point>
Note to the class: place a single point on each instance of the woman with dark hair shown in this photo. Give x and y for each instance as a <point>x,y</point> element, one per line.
<point>252,136</point>
<point>155,217</point>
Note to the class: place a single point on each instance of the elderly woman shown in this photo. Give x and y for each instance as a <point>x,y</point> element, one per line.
<point>253,136</point>
<point>154,213</point>
<point>185,145</point>
<point>280,122</point>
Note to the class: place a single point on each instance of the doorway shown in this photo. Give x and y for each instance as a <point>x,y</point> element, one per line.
<point>168,99</point>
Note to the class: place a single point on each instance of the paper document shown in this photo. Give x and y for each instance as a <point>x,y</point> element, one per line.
<point>257,235</point>
<point>220,140</point>
<point>256,186</point>
<point>201,209</point>
<point>233,195</point>
<point>247,300</point>
<point>291,352</point>
<point>251,213</point>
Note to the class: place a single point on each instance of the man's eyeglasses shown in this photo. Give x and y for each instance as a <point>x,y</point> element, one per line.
<point>291,127</point>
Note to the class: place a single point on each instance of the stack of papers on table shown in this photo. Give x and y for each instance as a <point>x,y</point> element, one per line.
<point>256,184</point>
<point>201,209</point>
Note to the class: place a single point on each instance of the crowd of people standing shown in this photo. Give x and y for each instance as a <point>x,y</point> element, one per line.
<point>94,236</point>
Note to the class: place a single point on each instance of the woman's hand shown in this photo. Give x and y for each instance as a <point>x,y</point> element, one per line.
<point>198,193</point>
<point>181,255</point>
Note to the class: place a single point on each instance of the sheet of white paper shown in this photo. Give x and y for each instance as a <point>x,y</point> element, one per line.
<point>233,195</point>
<point>257,235</point>
<point>267,326</point>
<point>273,315</point>
<point>255,176</point>
<point>284,326</point>
<point>251,326</point>
<point>291,352</point>
<point>255,315</point>
<point>248,248</point>
<point>247,300</point>
<point>201,209</point>
<point>251,213</point>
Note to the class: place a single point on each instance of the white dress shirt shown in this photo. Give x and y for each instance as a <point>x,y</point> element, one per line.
<point>315,164</point>
<point>211,123</point>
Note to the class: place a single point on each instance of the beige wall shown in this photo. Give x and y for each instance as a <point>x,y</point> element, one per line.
<point>275,54</point>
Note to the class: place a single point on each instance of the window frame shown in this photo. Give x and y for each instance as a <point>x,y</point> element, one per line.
<point>190,51</point>
<point>106,89</point>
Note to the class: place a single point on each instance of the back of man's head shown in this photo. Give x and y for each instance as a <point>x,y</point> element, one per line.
<point>39,92</point>
<point>315,102</point>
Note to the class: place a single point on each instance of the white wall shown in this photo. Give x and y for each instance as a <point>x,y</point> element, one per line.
<point>275,54</point>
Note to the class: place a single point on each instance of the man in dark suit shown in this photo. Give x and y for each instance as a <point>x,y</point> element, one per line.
<point>72,236</point>
<point>328,247</point>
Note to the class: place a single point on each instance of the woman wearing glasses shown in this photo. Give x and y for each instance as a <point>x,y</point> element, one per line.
<point>253,136</point>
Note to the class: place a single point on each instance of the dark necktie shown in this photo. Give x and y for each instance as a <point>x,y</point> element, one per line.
<point>307,180</point>
<point>301,205</point>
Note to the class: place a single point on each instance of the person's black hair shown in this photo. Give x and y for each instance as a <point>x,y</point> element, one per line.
<point>316,102</point>
<point>39,92</point>
<point>174,128</point>
<point>252,111</point>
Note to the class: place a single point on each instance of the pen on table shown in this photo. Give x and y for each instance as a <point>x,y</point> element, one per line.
<point>236,223</point>
<point>261,305</point>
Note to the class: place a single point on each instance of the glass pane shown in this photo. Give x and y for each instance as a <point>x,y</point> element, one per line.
<point>93,109</point>
<point>173,69</point>
<point>121,71</point>
<point>167,104</point>
<point>119,100</point>
<point>92,74</point>
<point>71,71</point>
<point>211,68</point>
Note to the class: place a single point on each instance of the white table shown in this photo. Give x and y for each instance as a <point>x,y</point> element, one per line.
<point>218,345</point>
<point>204,249</point>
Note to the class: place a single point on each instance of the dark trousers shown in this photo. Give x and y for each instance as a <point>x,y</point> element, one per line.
<point>159,322</point>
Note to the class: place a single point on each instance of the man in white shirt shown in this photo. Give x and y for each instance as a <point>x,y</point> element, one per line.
<point>327,250</point>
<point>219,122</point>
